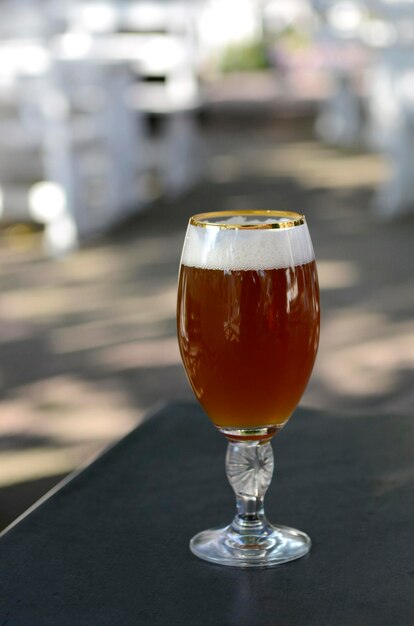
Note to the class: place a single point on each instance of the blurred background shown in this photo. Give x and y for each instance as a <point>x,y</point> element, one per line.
<point>118,120</point>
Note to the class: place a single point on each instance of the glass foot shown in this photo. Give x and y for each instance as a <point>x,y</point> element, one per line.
<point>274,545</point>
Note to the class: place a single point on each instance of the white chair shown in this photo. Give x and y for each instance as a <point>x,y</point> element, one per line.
<point>391,129</point>
<point>167,87</point>
<point>339,121</point>
<point>85,174</point>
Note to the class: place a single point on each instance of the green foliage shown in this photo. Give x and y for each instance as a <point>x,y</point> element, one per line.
<point>244,57</point>
<point>293,39</point>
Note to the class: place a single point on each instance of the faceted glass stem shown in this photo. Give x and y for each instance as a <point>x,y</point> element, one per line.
<point>250,540</point>
<point>249,468</point>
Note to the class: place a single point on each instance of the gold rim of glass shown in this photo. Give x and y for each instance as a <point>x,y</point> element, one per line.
<point>203,219</point>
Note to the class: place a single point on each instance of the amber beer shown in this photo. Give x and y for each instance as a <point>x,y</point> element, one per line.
<point>248,339</point>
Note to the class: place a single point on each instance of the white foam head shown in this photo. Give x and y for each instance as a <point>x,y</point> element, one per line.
<point>241,249</point>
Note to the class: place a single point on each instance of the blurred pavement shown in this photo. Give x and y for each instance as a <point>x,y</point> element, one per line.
<point>88,345</point>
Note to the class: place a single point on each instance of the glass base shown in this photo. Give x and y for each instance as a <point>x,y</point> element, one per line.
<point>273,546</point>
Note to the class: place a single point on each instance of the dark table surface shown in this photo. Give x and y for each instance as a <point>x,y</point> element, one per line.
<point>111,546</point>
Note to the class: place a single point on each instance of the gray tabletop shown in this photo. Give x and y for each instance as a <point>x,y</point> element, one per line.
<point>111,546</point>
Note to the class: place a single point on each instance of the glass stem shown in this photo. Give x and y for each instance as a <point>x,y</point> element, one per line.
<point>249,467</point>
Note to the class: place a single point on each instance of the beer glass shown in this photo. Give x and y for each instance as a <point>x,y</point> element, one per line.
<point>248,331</point>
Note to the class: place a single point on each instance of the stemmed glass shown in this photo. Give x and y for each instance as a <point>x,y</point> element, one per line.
<point>248,331</point>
